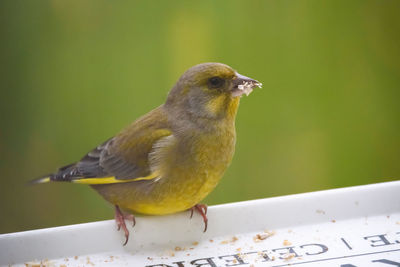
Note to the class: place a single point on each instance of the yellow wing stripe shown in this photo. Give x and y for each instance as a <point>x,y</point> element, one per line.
<point>112,180</point>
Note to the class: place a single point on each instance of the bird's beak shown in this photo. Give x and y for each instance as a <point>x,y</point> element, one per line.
<point>244,85</point>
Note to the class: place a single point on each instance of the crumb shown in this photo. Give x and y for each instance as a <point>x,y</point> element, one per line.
<point>88,261</point>
<point>188,254</point>
<point>211,240</point>
<point>265,235</point>
<point>233,240</point>
<point>286,242</point>
<point>333,221</point>
<point>150,258</point>
<point>289,256</point>
<point>191,248</point>
<point>178,248</point>
<point>290,231</point>
<point>398,222</point>
<point>76,257</point>
<point>251,265</point>
<point>195,243</point>
<point>63,265</point>
<point>30,264</point>
<point>66,259</point>
<point>388,216</point>
<point>234,261</point>
<point>320,211</point>
<point>172,254</point>
<point>238,249</point>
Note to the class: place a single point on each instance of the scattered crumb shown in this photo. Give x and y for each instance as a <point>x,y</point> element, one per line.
<point>289,256</point>
<point>188,254</point>
<point>238,249</point>
<point>76,257</point>
<point>290,231</point>
<point>66,259</point>
<point>265,235</point>
<point>251,265</point>
<point>333,221</point>
<point>235,261</point>
<point>286,242</point>
<point>398,222</point>
<point>320,211</point>
<point>178,249</point>
<point>172,254</point>
<point>63,265</point>
<point>388,216</point>
<point>150,258</point>
<point>43,263</point>
<point>211,240</point>
<point>195,243</point>
<point>88,261</point>
<point>233,240</point>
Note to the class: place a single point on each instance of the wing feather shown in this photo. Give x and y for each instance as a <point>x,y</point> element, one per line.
<point>123,158</point>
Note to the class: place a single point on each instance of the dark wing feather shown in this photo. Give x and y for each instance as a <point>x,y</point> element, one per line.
<point>124,156</point>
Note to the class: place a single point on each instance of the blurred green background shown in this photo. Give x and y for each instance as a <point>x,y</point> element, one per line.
<point>73,73</point>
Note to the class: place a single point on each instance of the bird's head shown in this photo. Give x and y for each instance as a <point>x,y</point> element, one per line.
<point>210,90</point>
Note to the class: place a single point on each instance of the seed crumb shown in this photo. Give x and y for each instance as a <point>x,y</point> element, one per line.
<point>88,261</point>
<point>265,235</point>
<point>178,248</point>
<point>150,258</point>
<point>289,256</point>
<point>195,243</point>
<point>76,257</point>
<point>333,221</point>
<point>211,240</point>
<point>286,242</point>
<point>233,240</point>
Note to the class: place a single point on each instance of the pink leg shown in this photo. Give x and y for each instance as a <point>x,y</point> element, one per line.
<point>120,220</point>
<point>202,209</point>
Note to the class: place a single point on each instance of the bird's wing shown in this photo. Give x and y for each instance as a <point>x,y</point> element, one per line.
<point>123,158</point>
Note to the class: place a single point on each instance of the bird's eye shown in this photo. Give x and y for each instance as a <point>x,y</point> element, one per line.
<point>215,82</point>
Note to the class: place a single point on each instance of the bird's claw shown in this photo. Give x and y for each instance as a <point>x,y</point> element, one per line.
<point>202,209</point>
<point>120,220</point>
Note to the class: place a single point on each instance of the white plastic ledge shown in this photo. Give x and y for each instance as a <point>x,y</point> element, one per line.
<point>357,226</point>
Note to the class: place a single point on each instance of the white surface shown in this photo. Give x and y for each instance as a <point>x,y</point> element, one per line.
<point>355,226</point>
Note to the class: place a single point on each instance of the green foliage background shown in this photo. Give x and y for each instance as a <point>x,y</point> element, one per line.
<point>73,73</point>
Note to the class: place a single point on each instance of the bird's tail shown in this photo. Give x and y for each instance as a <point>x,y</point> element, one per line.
<point>41,180</point>
<point>64,174</point>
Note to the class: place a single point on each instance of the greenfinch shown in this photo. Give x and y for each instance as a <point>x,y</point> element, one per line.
<point>171,158</point>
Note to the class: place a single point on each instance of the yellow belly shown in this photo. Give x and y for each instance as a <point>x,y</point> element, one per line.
<point>187,175</point>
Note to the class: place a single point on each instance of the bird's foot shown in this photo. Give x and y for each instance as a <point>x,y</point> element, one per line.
<point>120,220</point>
<point>202,209</point>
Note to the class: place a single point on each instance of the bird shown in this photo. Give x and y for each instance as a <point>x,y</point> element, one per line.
<point>171,158</point>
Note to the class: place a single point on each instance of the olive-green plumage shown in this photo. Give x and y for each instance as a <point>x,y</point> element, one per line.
<point>171,158</point>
